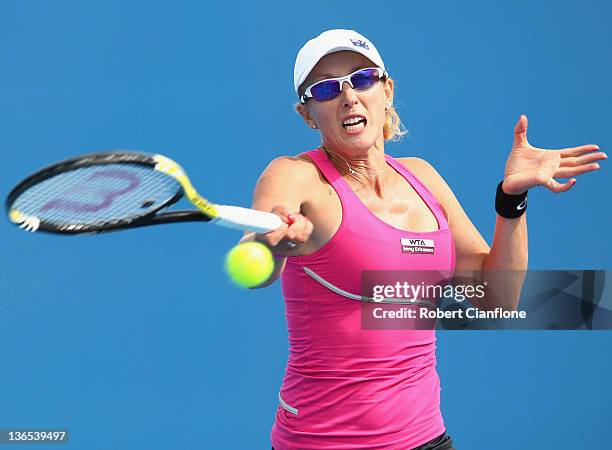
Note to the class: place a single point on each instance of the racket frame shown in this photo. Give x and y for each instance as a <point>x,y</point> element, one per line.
<point>32,223</point>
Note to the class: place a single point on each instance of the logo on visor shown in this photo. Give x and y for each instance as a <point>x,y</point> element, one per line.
<point>360,43</point>
<point>422,246</point>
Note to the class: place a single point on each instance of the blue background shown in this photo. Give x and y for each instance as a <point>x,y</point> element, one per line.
<point>137,340</point>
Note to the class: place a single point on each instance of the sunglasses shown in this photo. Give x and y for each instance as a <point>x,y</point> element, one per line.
<point>361,80</point>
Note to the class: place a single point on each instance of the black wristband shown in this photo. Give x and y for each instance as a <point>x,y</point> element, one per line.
<point>510,206</point>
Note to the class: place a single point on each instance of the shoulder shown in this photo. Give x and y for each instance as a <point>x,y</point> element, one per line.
<point>417,165</point>
<point>296,165</point>
<point>425,172</point>
<point>430,177</point>
<point>291,170</point>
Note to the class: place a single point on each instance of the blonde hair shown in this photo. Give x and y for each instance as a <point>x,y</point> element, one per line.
<point>392,130</point>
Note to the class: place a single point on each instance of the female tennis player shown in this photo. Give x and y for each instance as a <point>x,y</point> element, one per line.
<point>349,207</point>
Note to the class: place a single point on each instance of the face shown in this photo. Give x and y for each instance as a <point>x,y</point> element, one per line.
<point>330,116</point>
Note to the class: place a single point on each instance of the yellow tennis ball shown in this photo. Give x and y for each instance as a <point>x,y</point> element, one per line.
<point>249,264</point>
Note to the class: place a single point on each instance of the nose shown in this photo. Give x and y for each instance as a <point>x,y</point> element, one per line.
<point>349,95</point>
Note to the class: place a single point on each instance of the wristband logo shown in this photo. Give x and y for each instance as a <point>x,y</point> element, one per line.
<point>522,205</point>
<point>422,246</point>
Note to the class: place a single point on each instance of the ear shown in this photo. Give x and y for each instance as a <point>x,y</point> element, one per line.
<point>302,110</point>
<point>389,87</point>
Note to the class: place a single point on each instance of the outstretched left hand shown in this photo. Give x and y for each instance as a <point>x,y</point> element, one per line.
<point>528,166</point>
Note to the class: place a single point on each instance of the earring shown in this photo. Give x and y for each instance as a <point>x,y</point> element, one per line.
<point>314,126</point>
<point>387,107</point>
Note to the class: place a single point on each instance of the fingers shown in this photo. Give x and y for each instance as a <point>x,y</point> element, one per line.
<point>577,151</point>
<point>284,214</point>
<point>557,187</point>
<point>299,231</point>
<point>577,165</point>
<point>572,166</point>
<point>572,161</point>
<point>520,131</point>
<point>567,172</point>
<point>285,239</point>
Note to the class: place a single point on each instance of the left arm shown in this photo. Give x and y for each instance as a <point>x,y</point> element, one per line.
<point>474,257</point>
<point>503,265</point>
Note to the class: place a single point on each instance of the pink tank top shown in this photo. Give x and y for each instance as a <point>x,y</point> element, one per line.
<point>346,387</point>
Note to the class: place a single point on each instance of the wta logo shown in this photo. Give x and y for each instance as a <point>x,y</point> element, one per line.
<point>422,246</point>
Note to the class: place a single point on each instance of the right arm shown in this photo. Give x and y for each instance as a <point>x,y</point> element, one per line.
<point>282,189</point>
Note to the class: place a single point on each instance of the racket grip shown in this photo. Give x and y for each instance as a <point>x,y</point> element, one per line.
<point>246,219</point>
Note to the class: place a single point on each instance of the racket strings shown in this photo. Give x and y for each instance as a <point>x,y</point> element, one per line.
<point>98,194</point>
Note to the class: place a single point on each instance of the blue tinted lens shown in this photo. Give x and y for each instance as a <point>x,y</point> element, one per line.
<point>364,79</point>
<point>325,90</point>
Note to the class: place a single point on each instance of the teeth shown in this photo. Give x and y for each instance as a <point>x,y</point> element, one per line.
<point>352,120</point>
<point>358,126</point>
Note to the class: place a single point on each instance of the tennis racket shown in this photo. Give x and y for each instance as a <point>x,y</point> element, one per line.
<point>118,190</point>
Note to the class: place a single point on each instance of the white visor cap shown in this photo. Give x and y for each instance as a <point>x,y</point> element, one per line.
<point>329,42</point>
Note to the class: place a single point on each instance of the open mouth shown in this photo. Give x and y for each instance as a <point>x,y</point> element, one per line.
<point>354,123</point>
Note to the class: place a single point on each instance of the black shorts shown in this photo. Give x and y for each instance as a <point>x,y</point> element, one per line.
<point>442,442</point>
